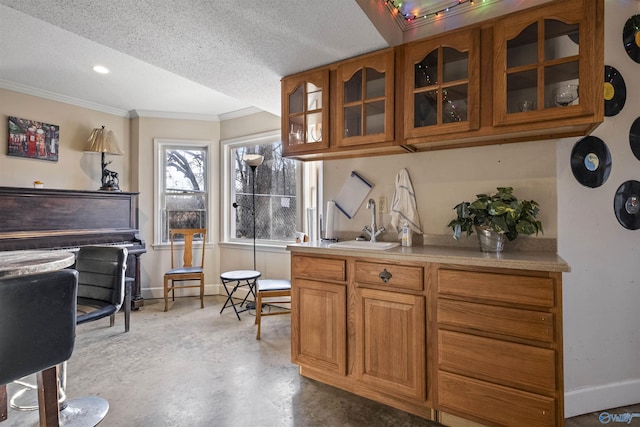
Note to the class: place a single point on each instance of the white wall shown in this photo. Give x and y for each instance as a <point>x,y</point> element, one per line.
<point>602,292</point>
<point>157,259</point>
<point>75,169</point>
<point>442,179</point>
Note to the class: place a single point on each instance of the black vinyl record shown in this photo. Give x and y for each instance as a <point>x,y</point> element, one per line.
<point>634,138</point>
<point>591,161</point>
<point>631,37</point>
<point>615,91</point>
<point>626,204</point>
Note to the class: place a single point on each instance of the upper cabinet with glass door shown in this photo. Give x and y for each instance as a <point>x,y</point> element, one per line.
<point>547,65</point>
<point>442,84</point>
<point>365,100</point>
<point>305,112</point>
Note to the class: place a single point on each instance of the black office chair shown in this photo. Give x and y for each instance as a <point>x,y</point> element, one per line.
<point>37,332</point>
<point>102,284</point>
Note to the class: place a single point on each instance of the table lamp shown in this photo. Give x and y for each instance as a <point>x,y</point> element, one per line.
<point>104,142</point>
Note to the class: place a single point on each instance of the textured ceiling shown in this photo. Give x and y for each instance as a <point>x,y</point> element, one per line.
<point>176,56</point>
<point>190,57</point>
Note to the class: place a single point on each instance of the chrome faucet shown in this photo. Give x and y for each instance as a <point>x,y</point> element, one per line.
<point>373,231</point>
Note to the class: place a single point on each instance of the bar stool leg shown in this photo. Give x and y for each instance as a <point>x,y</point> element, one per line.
<point>3,402</point>
<point>48,397</point>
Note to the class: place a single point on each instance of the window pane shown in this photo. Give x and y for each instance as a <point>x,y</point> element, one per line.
<point>184,193</point>
<point>185,169</point>
<point>275,194</point>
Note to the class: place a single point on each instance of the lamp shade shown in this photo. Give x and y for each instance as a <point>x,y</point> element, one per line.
<point>253,160</point>
<point>103,141</point>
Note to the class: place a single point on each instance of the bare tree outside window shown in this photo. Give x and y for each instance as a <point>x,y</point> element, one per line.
<point>275,194</point>
<point>185,188</point>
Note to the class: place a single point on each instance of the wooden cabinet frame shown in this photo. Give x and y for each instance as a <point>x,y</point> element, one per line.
<point>467,41</point>
<point>382,62</point>
<point>585,13</point>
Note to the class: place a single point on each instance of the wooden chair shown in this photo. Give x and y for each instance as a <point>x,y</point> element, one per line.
<point>187,271</point>
<point>271,288</point>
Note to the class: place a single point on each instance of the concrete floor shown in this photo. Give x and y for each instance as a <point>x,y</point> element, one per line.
<point>193,367</point>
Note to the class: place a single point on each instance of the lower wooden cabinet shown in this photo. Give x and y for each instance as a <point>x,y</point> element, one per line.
<point>319,325</point>
<point>499,347</point>
<point>390,342</point>
<point>440,341</point>
<point>494,404</point>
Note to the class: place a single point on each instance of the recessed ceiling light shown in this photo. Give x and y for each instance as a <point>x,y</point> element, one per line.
<point>101,69</point>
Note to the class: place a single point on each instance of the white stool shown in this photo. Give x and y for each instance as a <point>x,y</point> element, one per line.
<point>241,278</point>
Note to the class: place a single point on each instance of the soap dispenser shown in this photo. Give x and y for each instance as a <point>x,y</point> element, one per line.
<point>406,234</point>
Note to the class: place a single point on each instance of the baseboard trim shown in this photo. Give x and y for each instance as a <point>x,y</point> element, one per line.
<point>599,398</point>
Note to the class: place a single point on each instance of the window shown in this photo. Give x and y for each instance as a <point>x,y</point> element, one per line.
<point>277,193</point>
<point>182,186</point>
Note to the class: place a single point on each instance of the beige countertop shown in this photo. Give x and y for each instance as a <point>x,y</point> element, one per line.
<point>524,260</point>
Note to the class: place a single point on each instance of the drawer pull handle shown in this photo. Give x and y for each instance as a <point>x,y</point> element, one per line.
<point>385,276</point>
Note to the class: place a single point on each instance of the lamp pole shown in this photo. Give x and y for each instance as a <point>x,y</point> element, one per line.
<point>253,160</point>
<point>253,211</point>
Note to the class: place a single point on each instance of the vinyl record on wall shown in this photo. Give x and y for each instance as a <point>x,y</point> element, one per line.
<point>615,91</point>
<point>631,37</point>
<point>591,161</point>
<point>634,138</point>
<point>626,204</point>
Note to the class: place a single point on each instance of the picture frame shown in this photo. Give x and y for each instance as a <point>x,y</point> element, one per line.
<point>33,139</point>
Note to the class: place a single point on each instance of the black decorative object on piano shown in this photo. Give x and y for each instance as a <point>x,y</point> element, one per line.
<point>69,219</point>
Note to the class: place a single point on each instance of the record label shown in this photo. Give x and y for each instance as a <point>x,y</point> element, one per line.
<point>591,161</point>
<point>615,91</point>
<point>626,205</point>
<point>631,37</point>
<point>609,91</point>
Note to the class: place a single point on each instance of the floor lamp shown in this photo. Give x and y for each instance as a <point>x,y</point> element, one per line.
<point>253,160</point>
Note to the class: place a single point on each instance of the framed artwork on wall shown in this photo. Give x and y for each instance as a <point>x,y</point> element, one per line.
<point>33,139</point>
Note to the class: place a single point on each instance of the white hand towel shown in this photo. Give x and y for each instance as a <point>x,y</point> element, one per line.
<point>403,204</point>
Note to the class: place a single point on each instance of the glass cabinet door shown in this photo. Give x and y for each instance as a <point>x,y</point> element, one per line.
<point>541,66</point>
<point>305,112</point>
<point>365,97</point>
<point>557,68</point>
<point>442,85</point>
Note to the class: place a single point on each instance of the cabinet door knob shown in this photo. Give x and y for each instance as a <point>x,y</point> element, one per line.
<point>385,276</point>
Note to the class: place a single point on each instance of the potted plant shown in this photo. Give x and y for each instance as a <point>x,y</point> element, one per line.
<point>496,217</point>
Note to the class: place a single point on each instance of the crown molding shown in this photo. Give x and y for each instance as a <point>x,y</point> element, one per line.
<point>172,115</point>
<point>239,113</point>
<point>41,93</point>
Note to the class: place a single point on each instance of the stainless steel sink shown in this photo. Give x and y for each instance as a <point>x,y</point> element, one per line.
<point>363,244</point>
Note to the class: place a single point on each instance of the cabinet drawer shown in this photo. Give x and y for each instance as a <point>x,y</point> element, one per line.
<point>319,268</point>
<point>400,276</point>
<point>536,291</point>
<point>507,363</point>
<point>533,325</point>
<point>498,404</point>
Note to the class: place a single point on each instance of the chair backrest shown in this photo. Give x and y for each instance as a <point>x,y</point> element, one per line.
<point>188,250</point>
<point>101,272</point>
<point>37,322</point>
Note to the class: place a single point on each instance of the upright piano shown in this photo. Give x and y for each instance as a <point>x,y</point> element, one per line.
<point>39,218</point>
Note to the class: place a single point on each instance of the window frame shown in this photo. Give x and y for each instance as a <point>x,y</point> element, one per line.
<point>227,193</point>
<point>159,146</point>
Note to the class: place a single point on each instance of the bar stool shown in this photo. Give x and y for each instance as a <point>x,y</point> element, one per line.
<point>241,278</point>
